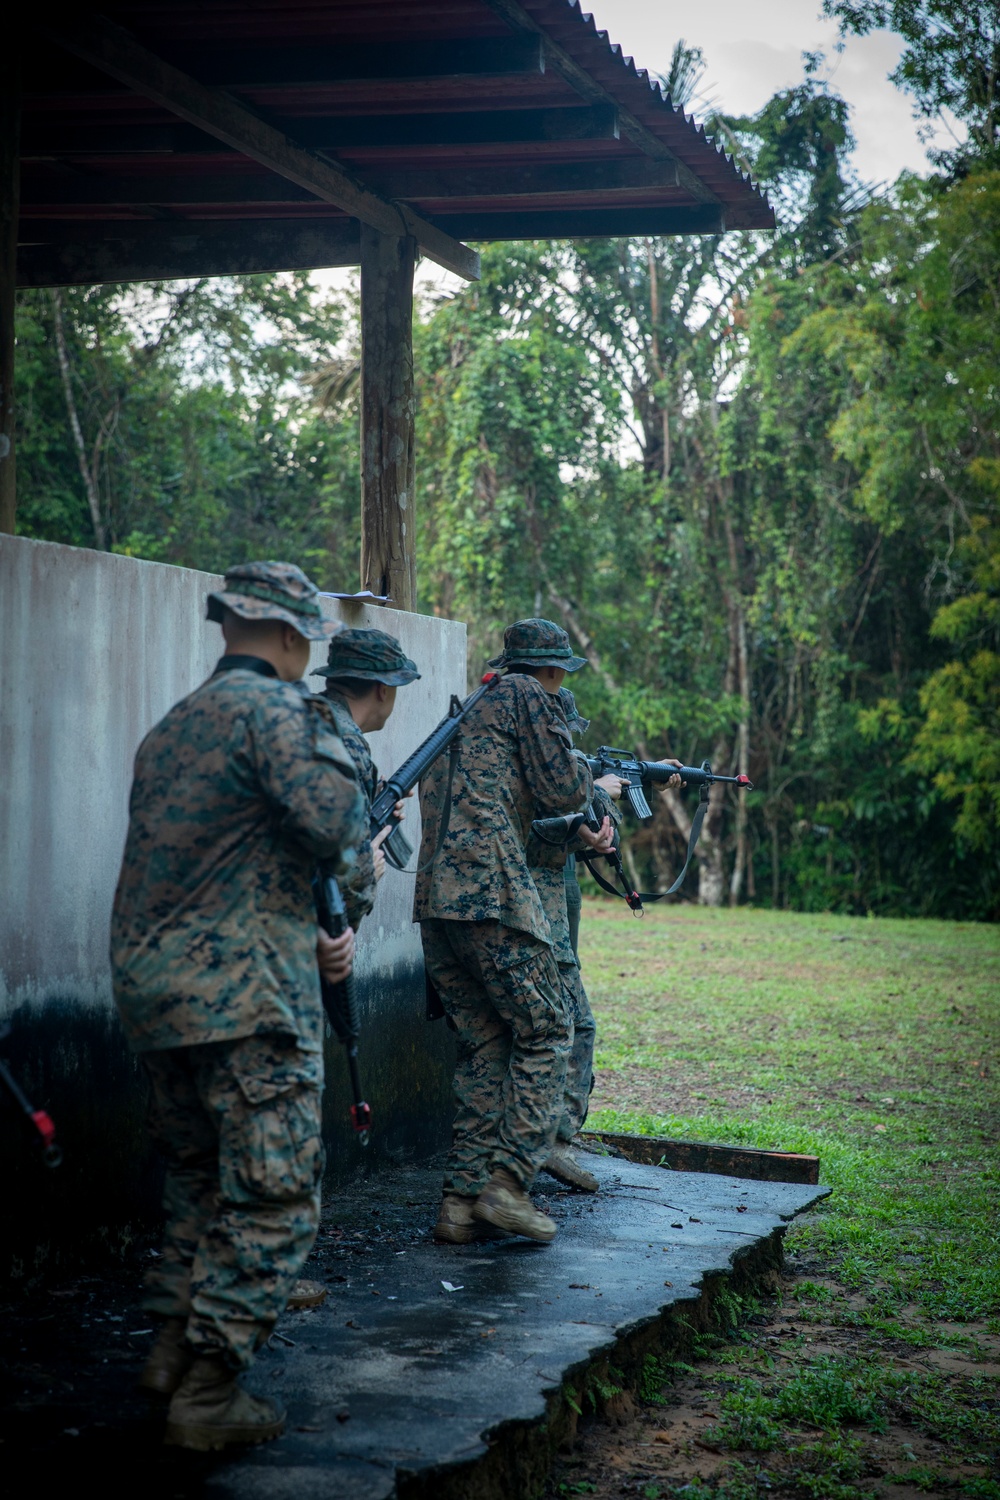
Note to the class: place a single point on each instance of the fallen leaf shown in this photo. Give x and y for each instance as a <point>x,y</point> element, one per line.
<point>450,1287</point>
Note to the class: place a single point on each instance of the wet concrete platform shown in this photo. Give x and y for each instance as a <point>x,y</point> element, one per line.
<point>397,1385</point>
<point>424,1358</point>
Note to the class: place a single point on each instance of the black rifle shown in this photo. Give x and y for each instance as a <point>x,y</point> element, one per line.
<point>397,846</point>
<point>611,762</point>
<point>561,830</point>
<point>633,773</point>
<point>38,1120</point>
<point>340,1000</point>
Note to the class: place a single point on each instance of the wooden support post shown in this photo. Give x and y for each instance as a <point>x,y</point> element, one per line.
<point>388,562</point>
<point>10,176</point>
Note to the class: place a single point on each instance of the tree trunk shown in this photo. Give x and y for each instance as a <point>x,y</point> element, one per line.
<point>86,474</point>
<point>743,762</point>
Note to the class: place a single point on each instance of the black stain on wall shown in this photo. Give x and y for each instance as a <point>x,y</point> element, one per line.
<point>71,1059</point>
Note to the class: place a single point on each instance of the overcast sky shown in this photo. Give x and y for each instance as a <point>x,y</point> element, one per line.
<point>754,47</point>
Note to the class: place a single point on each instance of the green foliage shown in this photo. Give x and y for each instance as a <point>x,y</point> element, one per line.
<point>950,63</point>
<point>757,480</point>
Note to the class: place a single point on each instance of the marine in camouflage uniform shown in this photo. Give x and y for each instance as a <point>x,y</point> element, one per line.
<point>357,660</point>
<point>238,793</point>
<point>553,866</point>
<point>487,942</point>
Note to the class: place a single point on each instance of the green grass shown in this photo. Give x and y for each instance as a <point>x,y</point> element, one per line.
<point>873,1044</point>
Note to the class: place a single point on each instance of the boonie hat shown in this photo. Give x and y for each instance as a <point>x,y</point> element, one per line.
<point>371,655</point>
<point>577,723</point>
<point>537,643</point>
<point>273,591</point>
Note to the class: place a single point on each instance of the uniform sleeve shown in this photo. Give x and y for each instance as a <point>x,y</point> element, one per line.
<point>307,778</point>
<point>560,781</point>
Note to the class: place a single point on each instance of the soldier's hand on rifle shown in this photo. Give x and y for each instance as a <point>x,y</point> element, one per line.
<point>335,956</point>
<point>602,841</point>
<point>611,784</point>
<point>378,857</point>
<point>674,780</point>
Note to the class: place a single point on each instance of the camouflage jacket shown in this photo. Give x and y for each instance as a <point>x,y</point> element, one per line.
<point>548,863</point>
<point>515,763</point>
<point>238,793</point>
<point>359,885</point>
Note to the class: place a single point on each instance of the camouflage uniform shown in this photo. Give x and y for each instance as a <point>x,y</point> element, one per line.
<point>238,792</point>
<point>362,656</point>
<point>487,943</point>
<point>553,869</point>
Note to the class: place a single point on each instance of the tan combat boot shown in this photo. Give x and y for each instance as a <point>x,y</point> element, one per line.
<point>504,1204</point>
<point>455,1224</point>
<point>168,1360</point>
<point>211,1410</point>
<point>564,1167</point>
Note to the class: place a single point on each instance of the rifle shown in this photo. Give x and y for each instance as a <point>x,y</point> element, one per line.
<point>611,762</point>
<point>633,773</point>
<point>40,1122</point>
<point>561,830</point>
<point>340,1000</point>
<point>397,846</point>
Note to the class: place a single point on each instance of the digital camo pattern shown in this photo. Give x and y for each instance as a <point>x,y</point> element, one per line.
<point>515,763</point>
<point>552,869</point>
<point>580,1061</point>
<point>238,792</point>
<point>238,1124</point>
<point>502,992</point>
<point>358,886</point>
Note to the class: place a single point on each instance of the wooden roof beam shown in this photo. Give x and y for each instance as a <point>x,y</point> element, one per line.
<point>595,93</point>
<point>62,186</point>
<point>501,127</point>
<point>68,253</point>
<point>117,53</point>
<point>316,64</point>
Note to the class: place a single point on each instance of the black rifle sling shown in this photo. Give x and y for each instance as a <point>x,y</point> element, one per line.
<point>696,822</point>
<point>695,834</point>
<point>453,750</point>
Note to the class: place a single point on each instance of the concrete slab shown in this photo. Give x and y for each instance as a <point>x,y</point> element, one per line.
<point>424,1355</point>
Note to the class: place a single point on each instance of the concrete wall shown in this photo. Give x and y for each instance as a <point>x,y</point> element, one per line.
<point>93,651</point>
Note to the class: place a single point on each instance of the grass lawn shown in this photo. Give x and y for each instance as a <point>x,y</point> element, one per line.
<point>873,1369</point>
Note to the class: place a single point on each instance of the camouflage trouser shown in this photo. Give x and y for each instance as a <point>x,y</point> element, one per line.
<point>580,1066</point>
<point>239,1125</point>
<point>501,990</point>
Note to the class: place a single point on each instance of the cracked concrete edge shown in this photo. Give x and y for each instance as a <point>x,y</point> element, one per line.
<point>517,1455</point>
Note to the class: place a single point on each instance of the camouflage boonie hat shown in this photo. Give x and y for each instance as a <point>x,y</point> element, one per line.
<point>577,723</point>
<point>537,643</point>
<point>273,591</point>
<point>372,656</point>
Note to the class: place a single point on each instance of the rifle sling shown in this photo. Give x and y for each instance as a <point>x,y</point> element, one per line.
<point>446,813</point>
<point>695,834</point>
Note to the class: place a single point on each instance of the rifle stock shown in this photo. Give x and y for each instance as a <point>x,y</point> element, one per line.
<point>340,1001</point>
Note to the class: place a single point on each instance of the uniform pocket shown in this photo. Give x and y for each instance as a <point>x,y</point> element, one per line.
<point>271,1146</point>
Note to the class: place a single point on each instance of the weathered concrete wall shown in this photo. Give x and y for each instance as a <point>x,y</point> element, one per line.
<point>93,651</point>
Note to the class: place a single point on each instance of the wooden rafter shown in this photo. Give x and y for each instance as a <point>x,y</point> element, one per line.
<point>113,50</point>
<point>588,88</point>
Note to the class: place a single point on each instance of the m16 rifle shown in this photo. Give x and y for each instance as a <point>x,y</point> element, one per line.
<point>633,774</point>
<point>397,846</point>
<point>340,1001</point>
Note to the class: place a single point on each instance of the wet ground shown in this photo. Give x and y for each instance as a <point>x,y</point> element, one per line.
<point>421,1357</point>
